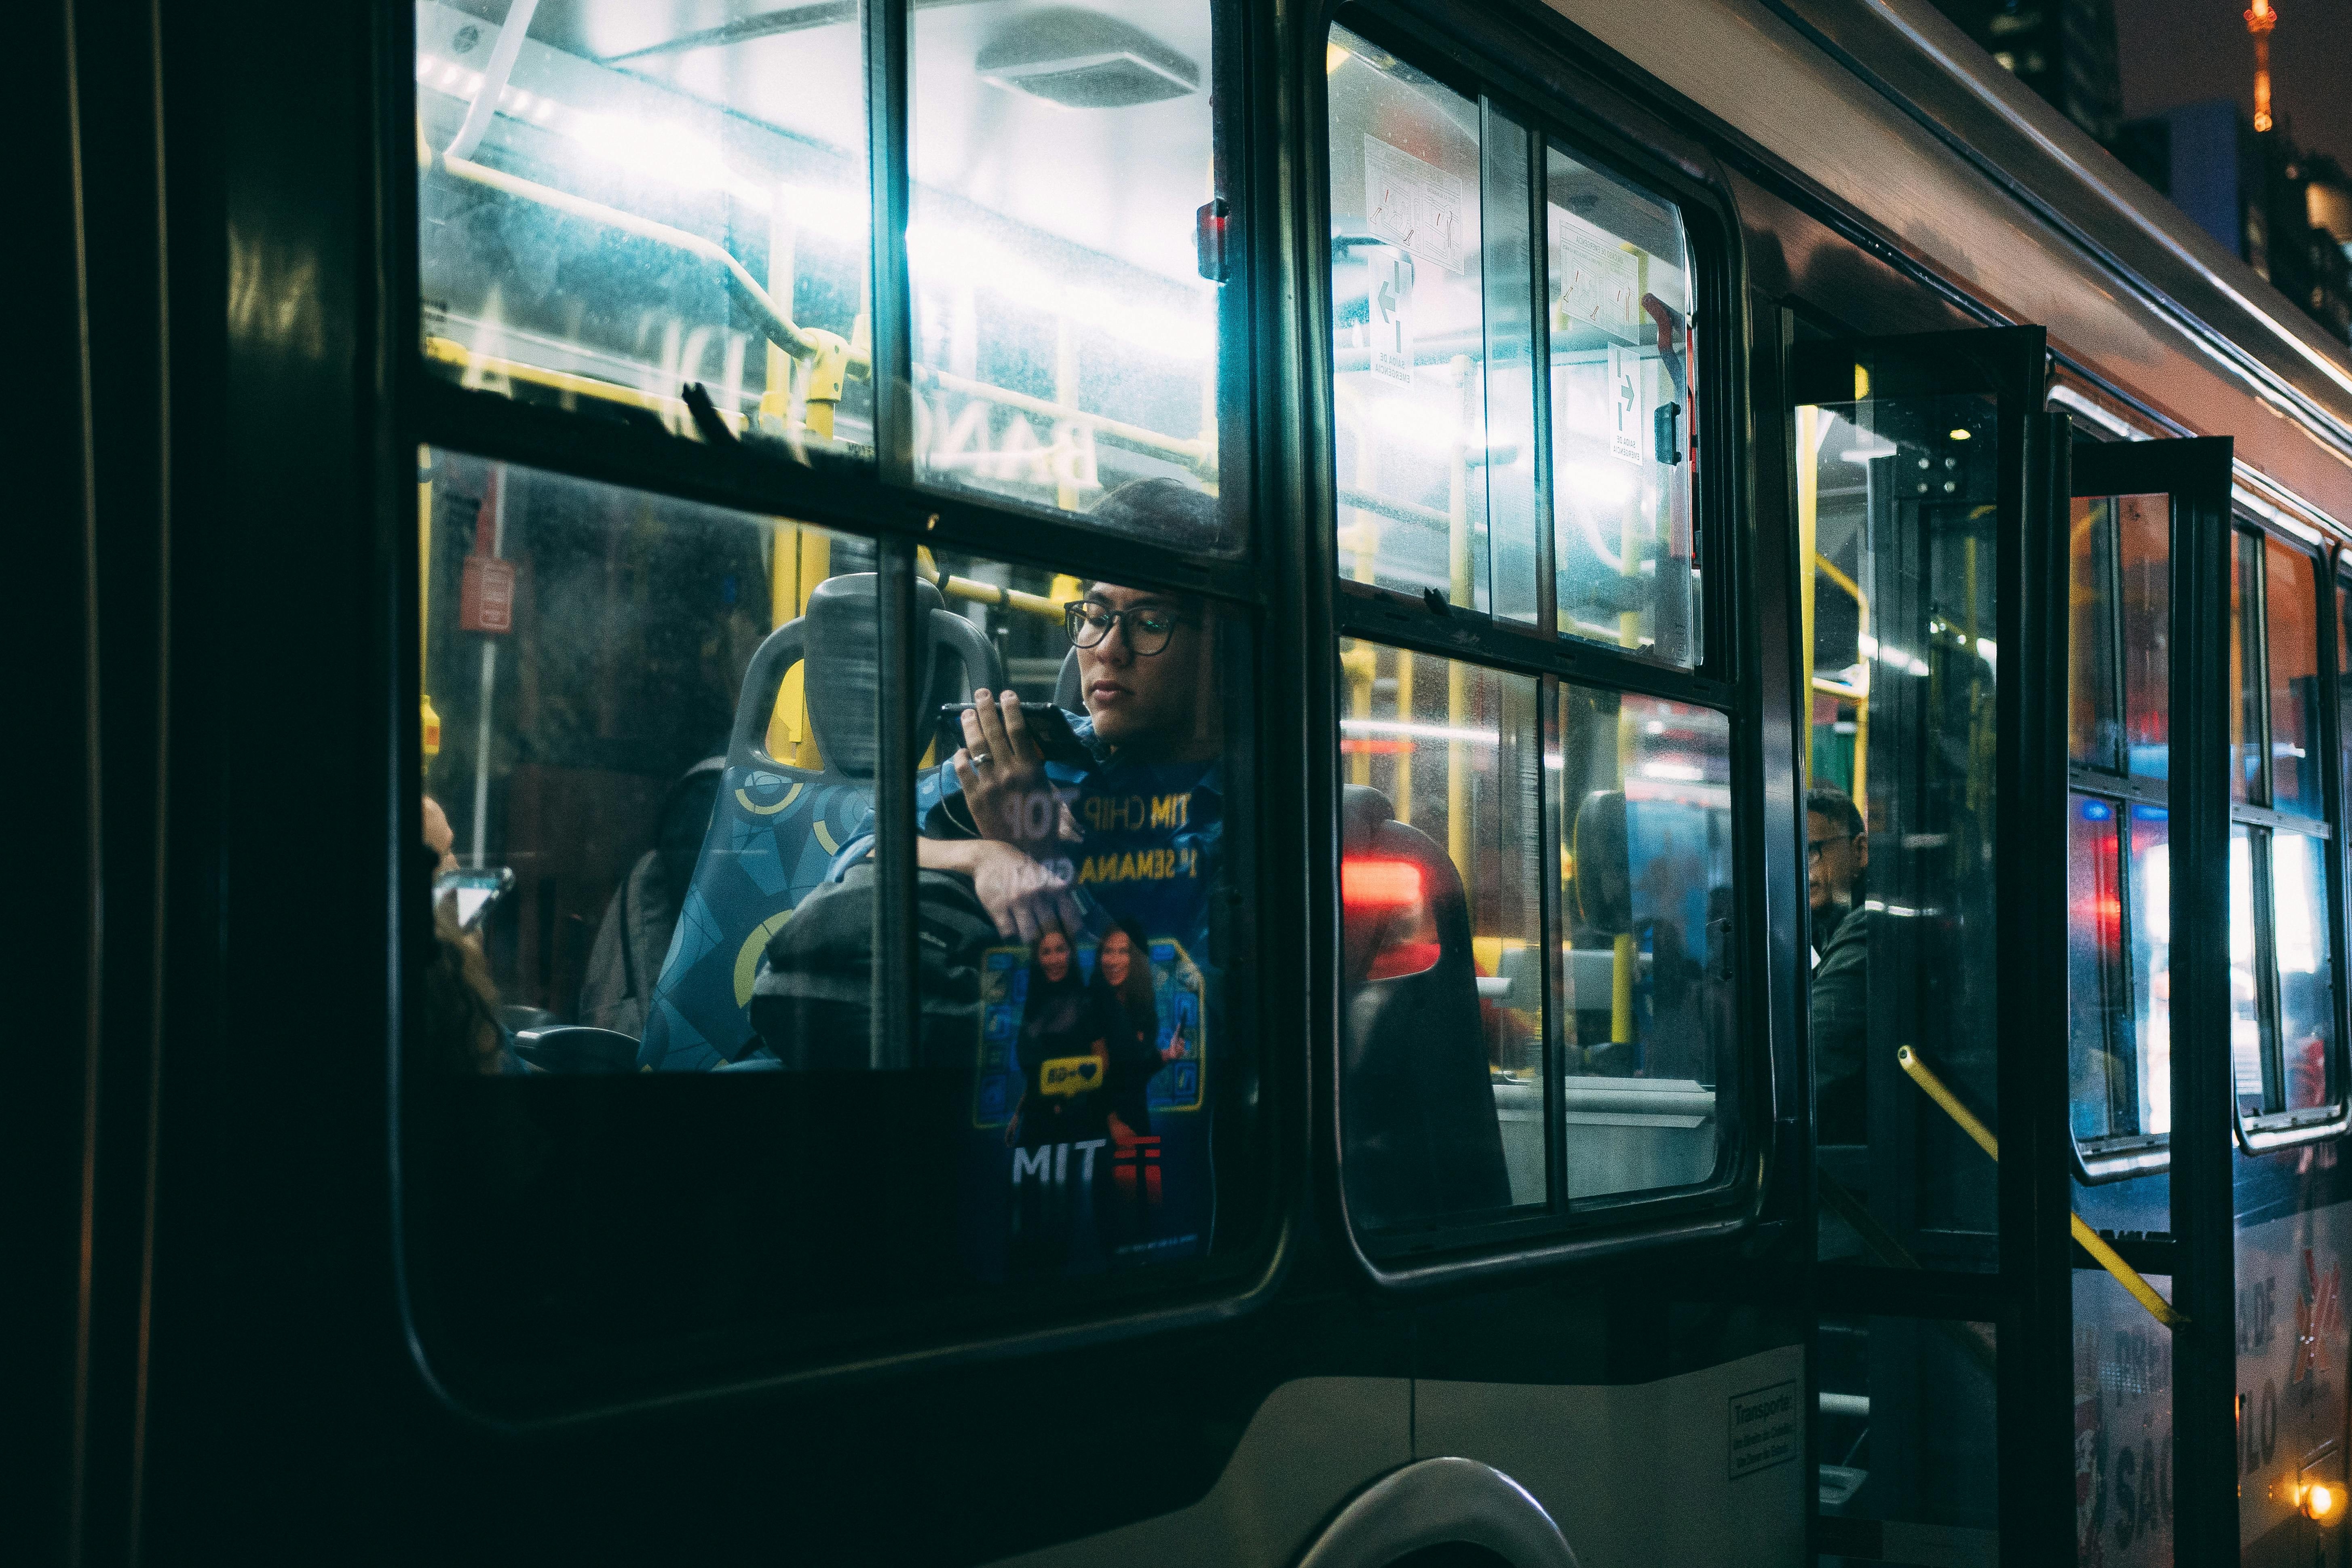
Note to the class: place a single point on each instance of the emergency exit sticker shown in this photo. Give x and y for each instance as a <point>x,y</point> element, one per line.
<point>485,595</point>
<point>1389,306</point>
<point>1625,405</point>
<point>1767,1428</point>
<point>1413,205</point>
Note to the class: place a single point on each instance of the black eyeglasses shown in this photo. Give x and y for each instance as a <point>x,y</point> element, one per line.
<point>1813,846</point>
<point>1148,626</point>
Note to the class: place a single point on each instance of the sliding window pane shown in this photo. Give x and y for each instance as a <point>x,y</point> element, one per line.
<point>2150,936</point>
<point>1441,1094</point>
<point>628,201</point>
<point>1621,409</point>
<point>2104,1099</point>
<point>1064,246</point>
<point>1414,444</point>
<point>1645,806</point>
<point>2144,534</point>
<point>2092,723</point>
<point>2246,1055</point>
<point>2245,665</point>
<point>2290,611</point>
<point>2307,983</point>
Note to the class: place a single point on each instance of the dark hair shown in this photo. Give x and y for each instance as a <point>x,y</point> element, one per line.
<point>1168,512</point>
<point>1837,805</point>
<point>1073,979</point>
<point>1135,996</point>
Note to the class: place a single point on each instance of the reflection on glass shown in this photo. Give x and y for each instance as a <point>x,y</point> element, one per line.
<point>2344,680</point>
<point>1621,319</point>
<point>1083,1007</point>
<point>600,666</point>
<point>2306,1002</point>
<point>1064,247</point>
<point>2092,723</point>
<point>1415,450</point>
<point>2150,910</point>
<point>626,201</point>
<point>2104,1098</point>
<point>1907,1428</point>
<point>2123,1404</point>
<point>2246,1054</point>
<point>2245,658</point>
<point>2144,535</point>
<point>2290,609</point>
<point>1442,1071</point>
<point>1897,501</point>
<point>1646,803</point>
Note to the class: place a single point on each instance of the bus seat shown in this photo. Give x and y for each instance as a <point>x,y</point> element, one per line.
<point>776,827</point>
<point>1422,1139</point>
<point>1069,695</point>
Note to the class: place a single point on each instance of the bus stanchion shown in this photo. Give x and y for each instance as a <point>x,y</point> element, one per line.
<point>2090,1240</point>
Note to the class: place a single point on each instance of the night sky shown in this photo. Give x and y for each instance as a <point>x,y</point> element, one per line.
<point>2182,51</point>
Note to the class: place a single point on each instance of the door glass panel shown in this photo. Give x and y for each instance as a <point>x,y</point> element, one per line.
<point>1898,497</point>
<point>1062,247</point>
<point>2344,681</point>
<point>1409,387</point>
<point>1506,220</point>
<point>2123,1427</point>
<point>1620,311</point>
<point>2104,1099</point>
<point>2306,991</point>
<point>627,201</point>
<point>1908,1436</point>
<point>2246,1053</point>
<point>1646,901</point>
<point>2093,724</point>
<point>1442,1091</point>
<point>2245,661</point>
<point>2148,922</point>
<point>2291,609</point>
<point>2143,535</point>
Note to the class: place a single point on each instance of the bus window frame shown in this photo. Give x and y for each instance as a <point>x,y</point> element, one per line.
<point>882,502</point>
<point>1595,125</point>
<point>2273,1130</point>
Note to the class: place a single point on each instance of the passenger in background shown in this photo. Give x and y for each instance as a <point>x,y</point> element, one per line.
<point>1837,853</point>
<point>459,1031</point>
<point>440,837</point>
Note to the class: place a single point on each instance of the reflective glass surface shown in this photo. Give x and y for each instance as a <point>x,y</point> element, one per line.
<point>1620,312</point>
<point>2104,1099</point>
<point>2093,725</point>
<point>1442,1098</point>
<point>621,203</point>
<point>1646,908</point>
<point>2291,617</point>
<point>2144,582</point>
<point>2299,939</point>
<point>2248,1059</point>
<point>1064,248</point>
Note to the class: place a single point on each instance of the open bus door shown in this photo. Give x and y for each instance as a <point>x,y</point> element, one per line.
<point>2146,694</point>
<point>1929,493</point>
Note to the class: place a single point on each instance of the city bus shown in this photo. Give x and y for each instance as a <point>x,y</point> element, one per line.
<point>996,781</point>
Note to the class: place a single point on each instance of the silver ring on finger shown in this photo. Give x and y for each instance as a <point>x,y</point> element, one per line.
<point>980,759</point>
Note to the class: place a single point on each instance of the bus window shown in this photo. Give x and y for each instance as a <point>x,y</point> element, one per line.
<point>1623,407</point>
<point>1442,1083</point>
<point>1409,387</point>
<point>609,209</point>
<point>2118,891</point>
<point>2282,945</point>
<point>2290,611</point>
<point>1065,247</point>
<point>1645,874</point>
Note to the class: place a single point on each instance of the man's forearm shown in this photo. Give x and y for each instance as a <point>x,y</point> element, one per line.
<point>962,855</point>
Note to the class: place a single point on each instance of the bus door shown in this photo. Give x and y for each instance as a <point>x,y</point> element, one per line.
<point>1928,496</point>
<point>2150,852</point>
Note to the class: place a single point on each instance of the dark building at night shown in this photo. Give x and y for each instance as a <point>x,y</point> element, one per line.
<point>2062,50</point>
<point>2288,213</point>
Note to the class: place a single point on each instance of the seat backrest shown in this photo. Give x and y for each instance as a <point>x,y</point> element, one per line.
<point>776,829</point>
<point>1422,1140</point>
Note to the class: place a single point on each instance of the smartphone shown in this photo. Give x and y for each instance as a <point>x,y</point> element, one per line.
<point>473,889</point>
<point>1049,727</point>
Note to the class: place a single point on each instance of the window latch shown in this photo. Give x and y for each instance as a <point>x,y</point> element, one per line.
<point>1211,225</point>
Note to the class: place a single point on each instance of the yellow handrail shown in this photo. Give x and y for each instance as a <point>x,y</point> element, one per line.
<point>2091,1241</point>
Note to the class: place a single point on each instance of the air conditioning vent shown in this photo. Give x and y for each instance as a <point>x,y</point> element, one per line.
<point>1084,60</point>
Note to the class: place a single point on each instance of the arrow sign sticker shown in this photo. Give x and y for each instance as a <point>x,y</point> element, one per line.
<point>1626,405</point>
<point>1390,313</point>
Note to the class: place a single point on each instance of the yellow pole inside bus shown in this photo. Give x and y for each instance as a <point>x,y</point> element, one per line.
<point>1809,502</point>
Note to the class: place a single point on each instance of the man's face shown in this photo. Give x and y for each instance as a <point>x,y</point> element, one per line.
<point>1833,858</point>
<point>1149,700</point>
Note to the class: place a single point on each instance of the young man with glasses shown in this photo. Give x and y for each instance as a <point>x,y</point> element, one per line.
<point>1837,853</point>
